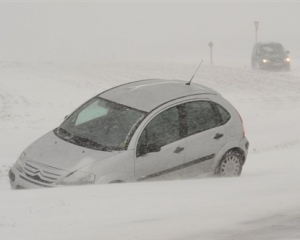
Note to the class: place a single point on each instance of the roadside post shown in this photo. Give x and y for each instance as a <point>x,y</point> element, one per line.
<point>211,44</point>
<point>256,23</point>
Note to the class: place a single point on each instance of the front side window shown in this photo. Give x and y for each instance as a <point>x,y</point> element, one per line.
<point>101,124</point>
<point>164,128</point>
<point>161,130</point>
<point>200,116</point>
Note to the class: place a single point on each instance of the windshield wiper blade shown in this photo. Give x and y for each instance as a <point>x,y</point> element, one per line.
<point>63,131</point>
<point>91,143</point>
<point>82,141</point>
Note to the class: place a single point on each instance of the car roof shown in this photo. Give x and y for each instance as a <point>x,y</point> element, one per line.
<point>147,95</point>
<point>268,43</point>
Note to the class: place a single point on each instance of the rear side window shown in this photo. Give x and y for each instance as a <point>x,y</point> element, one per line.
<point>224,115</point>
<point>200,116</point>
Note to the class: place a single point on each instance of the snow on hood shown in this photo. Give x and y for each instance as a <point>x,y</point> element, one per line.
<point>55,152</point>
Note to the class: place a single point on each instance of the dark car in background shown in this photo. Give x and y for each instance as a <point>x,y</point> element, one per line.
<point>270,55</point>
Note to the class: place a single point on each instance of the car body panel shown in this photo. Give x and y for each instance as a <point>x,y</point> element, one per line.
<point>201,150</point>
<point>148,94</point>
<point>162,165</point>
<point>53,151</point>
<point>230,145</point>
<point>119,167</point>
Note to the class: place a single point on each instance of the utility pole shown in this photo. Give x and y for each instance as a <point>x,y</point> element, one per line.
<point>211,44</point>
<point>256,23</point>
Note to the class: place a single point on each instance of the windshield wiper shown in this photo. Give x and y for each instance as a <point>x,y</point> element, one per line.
<point>62,131</point>
<point>85,142</point>
<point>91,143</point>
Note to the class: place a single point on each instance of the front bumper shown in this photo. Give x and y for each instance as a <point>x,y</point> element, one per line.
<point>18,180</point>
<point>275,65</point>
<point>244,145</point>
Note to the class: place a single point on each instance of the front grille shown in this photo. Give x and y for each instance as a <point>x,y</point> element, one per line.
<point>40,173</point>
<point>37,178</point>
<point>274,60</point>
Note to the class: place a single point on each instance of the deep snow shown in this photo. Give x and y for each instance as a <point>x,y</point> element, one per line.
<point>264,203</point>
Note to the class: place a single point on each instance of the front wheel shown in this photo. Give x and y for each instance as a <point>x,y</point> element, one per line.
<point>230,165</point>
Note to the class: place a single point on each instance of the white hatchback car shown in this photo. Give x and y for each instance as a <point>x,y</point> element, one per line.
<point>140,131</point>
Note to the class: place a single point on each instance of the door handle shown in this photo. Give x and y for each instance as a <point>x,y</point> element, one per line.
<point>179,149</point>
<point>218,136</point>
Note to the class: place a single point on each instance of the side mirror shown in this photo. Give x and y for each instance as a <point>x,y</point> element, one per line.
<point>153,147</point>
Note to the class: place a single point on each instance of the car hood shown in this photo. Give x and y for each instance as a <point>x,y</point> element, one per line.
<point>55,152</point>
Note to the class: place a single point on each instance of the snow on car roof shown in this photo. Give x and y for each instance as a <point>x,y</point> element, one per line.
<point>146,95</point>
<point>268,43</point>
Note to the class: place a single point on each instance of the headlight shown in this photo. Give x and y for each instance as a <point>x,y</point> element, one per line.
<point>265,60</point>
<point>287,59</point>
<point>20,162</point>
<point>78,178</point>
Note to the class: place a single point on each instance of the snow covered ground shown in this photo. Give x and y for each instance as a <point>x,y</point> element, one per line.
<point>264,203</point>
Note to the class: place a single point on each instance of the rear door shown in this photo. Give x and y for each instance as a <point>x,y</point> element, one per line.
<point>165,132</point>
<point>205,137</point>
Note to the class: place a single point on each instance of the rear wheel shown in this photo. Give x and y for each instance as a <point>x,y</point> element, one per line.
<point>230,165</point>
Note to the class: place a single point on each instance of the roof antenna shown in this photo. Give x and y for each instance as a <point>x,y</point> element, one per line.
<point>189,83</point>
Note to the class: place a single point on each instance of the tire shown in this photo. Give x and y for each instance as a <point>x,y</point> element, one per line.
<point>230,164</point>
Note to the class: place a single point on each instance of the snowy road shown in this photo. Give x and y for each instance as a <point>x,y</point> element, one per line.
<point>264,203</point>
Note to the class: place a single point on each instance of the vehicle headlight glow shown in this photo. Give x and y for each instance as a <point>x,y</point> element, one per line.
<point>287,59</point>
<point>265,60</point>
<point>78,178</point>
<point>20,162</point>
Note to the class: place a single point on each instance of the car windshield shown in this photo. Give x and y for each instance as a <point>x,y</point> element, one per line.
<point>101,124</point>
<point>271,49</point>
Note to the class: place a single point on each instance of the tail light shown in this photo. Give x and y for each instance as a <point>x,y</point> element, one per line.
<point>242,124</point>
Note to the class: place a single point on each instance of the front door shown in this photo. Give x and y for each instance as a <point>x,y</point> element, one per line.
<point>161,149</point>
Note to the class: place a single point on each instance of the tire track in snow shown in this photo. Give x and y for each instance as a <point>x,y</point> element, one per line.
<point>277,147</point>
<point>4,169</point>
<point>278,227</point>
<point>261,84</point>
<point>12,106</point>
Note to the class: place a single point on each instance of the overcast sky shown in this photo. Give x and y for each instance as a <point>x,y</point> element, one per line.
<point>147,31</point>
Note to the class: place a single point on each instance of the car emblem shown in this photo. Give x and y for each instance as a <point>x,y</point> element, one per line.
<point>38,174</point>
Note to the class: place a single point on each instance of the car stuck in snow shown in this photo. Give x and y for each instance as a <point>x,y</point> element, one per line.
<point>140,131</point>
